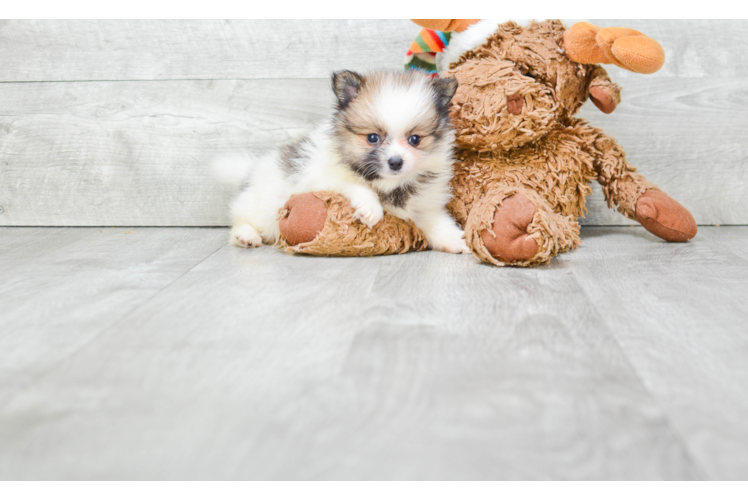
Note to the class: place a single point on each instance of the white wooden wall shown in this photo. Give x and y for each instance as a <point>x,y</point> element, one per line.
<point>114,122</point>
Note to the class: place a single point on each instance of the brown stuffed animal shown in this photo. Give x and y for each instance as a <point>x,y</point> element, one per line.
<point>524,162</point>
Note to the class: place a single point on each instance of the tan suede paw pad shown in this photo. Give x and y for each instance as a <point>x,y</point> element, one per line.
<point>664,217</point>
<point>509,240</point>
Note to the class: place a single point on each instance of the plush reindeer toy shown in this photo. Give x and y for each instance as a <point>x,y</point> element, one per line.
<point>524,162</point>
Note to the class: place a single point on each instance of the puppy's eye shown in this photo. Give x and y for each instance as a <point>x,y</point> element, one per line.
<point>414,140</point>
<point>372,139</point>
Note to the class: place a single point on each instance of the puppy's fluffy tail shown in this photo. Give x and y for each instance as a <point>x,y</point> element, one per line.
<point>233,169</point>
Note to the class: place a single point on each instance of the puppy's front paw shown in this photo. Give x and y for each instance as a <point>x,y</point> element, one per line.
<point>370,213</point>
<point>462,248</point>
<point>245,236</point>
<point>450,240</point>
<point>456,244</point>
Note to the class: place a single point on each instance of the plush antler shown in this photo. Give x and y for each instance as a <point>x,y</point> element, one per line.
<point>589,44</point>
<point>457,25</point>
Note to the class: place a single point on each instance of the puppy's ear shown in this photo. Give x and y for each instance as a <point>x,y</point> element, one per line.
<point>445,90</point>
<point>346,85</point>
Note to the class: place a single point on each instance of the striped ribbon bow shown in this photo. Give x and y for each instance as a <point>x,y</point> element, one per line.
<point>422,53</point>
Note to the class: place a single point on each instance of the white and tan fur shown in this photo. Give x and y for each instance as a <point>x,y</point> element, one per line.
<point>339,156</point>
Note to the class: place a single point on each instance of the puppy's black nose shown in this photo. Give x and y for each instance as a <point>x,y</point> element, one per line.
<point>395,163</point>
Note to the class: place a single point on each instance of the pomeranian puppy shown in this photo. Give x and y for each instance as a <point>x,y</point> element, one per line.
<point>386,147</point>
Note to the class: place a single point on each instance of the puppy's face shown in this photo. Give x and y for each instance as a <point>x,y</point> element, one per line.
<point>392,125</point>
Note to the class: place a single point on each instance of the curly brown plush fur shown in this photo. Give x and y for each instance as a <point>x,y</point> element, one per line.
<point>524,163</point>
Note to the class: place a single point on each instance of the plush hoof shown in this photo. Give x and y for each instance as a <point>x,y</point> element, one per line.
<point>304,216</point>
<point>511,241</point>
<point>664,217</point>
<point>603,100</point>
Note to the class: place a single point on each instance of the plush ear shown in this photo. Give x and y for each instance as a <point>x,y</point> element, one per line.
<point>629,49</point>
<point>445,90</point>
<point>346,85</point>
<point>457,25</point>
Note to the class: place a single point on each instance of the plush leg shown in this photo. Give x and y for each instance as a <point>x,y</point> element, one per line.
<point>324,224</point>
<point>636,197</point>
<point>516,226</point>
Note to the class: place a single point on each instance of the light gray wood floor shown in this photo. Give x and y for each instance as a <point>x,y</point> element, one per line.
<point>163,353</point>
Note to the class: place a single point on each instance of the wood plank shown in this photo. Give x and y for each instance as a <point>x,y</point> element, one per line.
<point>62,287</point>
<point>730,239</point>
<point>16,237</point>
<point>679,312</point>
<point>260,365</point>
<point>694,48</point>
<point>75,50</point>
<point>82,50</point>
<point>104,153</point>
<point>136,153</point>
